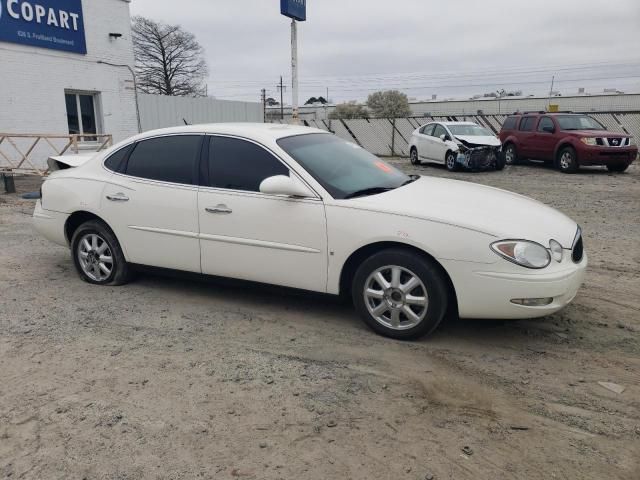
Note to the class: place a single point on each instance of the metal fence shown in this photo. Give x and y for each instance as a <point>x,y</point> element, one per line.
<point>391,137</point>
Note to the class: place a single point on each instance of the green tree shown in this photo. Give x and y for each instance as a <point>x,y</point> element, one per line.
<point>389,104</point>
<point>349,110</point>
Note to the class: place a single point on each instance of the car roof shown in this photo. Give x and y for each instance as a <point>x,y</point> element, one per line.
<point>456,123</point>
<point>257,131</point>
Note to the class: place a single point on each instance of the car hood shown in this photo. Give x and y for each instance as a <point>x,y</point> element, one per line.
<point>502,214</point>
<point>598,133</point>
<point>489,140</point>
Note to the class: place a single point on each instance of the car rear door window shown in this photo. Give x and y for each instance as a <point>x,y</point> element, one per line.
<point>438,131</point>
<point>545,122</point>
<point>527,124</point>
<point>168,159</point>
<point>115,162</point>
<point>427,129</point>
<point>238,164</point>
<point>510,123</point>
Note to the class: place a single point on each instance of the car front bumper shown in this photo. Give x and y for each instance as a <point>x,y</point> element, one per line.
<point>50,224</point>
<point>483,293</point>
<point>607,156</point>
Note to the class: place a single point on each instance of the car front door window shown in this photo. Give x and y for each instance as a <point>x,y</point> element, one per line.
<point>237,164</point>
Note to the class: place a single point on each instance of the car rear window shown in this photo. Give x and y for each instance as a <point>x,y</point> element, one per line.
<point>527,123</point>
<point>510,123</point>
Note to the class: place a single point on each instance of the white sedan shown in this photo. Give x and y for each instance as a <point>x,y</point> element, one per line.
<point>456,145</point>
<point>300,207</point>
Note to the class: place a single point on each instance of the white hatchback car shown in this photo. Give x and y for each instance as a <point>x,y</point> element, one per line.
<point>456,145</point>
<point>301,208</point>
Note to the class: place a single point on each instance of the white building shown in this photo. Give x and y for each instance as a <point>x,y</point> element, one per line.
<point>51,78</point>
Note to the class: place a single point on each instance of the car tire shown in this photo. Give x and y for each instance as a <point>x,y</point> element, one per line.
<point>413,156</point>
<point>400,294</point>
<point>450,161</point>
<point>98,256</point>
<point>617,168</point>
<point>499,163</point>
<point>567,160</point>
<point>510,154</point>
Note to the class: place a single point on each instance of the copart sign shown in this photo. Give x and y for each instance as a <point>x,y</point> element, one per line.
<point>54,24</point>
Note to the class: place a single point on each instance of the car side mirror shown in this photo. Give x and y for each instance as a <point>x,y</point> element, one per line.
<point>283,185</point>
<point>444,137</point>
<point>548,129</point>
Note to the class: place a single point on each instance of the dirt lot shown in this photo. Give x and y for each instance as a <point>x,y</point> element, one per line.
<point>174,379</point>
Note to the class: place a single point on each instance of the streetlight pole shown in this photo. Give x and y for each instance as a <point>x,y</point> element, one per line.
<point>135,87</point>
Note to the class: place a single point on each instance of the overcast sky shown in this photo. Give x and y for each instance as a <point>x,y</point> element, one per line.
<point>451,48</point>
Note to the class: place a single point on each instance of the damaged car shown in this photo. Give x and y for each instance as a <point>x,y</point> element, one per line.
<point>456,145</point>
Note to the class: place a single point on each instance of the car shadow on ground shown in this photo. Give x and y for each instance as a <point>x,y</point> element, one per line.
<point>331,309</point>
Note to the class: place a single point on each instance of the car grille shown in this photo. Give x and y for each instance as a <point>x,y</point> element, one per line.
<point>616,142</point>
<point>578,248</point>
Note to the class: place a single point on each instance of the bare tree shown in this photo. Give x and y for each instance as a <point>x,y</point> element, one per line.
<point>169,60</point>
<point>389,104</point>
<point>349,110</point>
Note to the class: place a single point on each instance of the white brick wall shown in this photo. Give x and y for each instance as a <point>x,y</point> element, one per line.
<point>33,80</point>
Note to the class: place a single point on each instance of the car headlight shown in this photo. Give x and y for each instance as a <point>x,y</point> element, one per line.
<point>589,140</point>
<point>522,252</point>
<point>556,250</point>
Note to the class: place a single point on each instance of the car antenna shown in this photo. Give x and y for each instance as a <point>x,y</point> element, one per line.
<point>185,121</point>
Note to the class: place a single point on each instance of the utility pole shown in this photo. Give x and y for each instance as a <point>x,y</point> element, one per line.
<point>281,87</point>
<point>264,105</point>
<point>553,79</point>
<point>294,70</point>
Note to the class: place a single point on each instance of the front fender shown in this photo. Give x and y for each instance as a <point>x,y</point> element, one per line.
<point>350,229</point>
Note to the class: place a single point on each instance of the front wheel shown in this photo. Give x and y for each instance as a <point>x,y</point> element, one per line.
<point>413,156</point>
<point>450,161</point>
<point>617,168</point>
<point>97,255</point>
<point>400,294</point>
<point>567,160</point>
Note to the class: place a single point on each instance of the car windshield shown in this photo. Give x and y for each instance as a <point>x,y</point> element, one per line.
<point>469,130</point>
<point>578,122</point>
<point>344,169</point>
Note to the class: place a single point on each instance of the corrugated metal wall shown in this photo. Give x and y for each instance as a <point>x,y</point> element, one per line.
<point>160,111</point>
<point>507,105</point>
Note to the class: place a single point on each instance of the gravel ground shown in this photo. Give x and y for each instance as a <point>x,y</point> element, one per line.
<point>169,378</point>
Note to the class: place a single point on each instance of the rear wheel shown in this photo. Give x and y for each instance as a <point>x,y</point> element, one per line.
<point>413,156</point>
<point>567,160</point>
<point>450,161</point>
<point>510,154</point>
<point>98,256</point>
<point>617,168</point>
<point>400,294</point>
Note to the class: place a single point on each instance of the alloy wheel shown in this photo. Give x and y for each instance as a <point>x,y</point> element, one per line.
<point>510,156</point>
<point>396,297</point>
<point>95,257</point>
<point>566,160</point>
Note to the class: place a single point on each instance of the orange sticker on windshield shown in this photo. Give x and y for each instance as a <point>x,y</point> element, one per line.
<point>384,167</point>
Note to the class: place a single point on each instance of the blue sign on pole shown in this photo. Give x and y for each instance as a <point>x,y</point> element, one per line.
<point>296,9</point>
<point>55,24</point>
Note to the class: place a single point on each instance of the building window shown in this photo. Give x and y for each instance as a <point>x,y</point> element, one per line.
<point>81,114</point>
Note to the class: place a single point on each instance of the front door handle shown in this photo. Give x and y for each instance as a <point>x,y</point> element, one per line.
<point>219,209</point>
<point>118,197</point>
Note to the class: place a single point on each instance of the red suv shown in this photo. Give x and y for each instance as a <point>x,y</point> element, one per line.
<point>567,140</point>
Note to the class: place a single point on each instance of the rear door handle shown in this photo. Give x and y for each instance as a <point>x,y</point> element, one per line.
<point>219,209</point>
<point>118,197</point>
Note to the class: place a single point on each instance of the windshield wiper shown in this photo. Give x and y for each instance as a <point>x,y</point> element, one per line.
<point>412,178</point>
<point>368,191</point>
